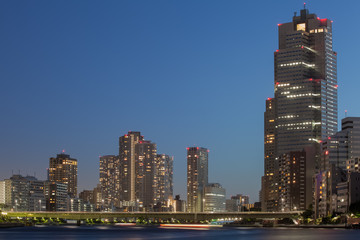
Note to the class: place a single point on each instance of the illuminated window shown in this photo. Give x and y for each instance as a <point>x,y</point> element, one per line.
<point>301,27</point>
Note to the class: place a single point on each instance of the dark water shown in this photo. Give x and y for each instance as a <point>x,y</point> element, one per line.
<point>113,232</point>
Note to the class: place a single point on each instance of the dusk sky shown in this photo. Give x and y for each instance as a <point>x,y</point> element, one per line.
<point>76,75</point>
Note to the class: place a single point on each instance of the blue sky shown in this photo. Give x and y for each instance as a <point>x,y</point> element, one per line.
<point>76,75</point>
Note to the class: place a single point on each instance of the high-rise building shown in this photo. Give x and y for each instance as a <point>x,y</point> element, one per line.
<point>270,179</point>
<point>164,166</point>
<point>214,198</point>
<point>110,180</point>
<point>304,109</point>
<point>63,169</point>
<point>197,177</point>
<point>127,165</point>
<point>145,174</point>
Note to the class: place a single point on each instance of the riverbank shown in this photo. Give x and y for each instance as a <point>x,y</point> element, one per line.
<point>11,225</point>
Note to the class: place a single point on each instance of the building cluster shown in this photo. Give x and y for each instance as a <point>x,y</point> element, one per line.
<point>57,193</point>
<point>307,162</point>
<point>138,179</point>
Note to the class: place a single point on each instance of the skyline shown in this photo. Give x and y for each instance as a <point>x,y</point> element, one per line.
<point>219,51</point>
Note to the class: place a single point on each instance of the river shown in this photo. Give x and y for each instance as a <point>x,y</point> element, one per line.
<point>114,232</point>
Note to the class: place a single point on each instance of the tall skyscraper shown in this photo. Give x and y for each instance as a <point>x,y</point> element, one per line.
<point>164,166</point>
<point>110,181</point>
<point>197,177</point>
<point>145,172</point>
<point>63,169</point>
<point>304,109</point>
<point>127,165</point>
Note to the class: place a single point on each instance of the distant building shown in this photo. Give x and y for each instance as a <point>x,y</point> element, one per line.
<point>145,172</point>
<point>63,169</point>
<point>214,198</point>
<point>295,182</point>
<point>164,179</point>
<point>197,177</point>
<point>127,159</point>
<point>236,203</point>
<point>343,145</point>
<point>56,194</point>
<point>178,204</point>
<point>110,180</point>
<point>2,192</point>
<point>86,195</point>
<point>27,193</point>
<point>79,205</point>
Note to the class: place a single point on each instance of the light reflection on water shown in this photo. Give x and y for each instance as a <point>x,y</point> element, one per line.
<point>116,232</point>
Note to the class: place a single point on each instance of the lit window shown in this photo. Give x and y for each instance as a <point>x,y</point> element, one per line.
<point>301,27</point>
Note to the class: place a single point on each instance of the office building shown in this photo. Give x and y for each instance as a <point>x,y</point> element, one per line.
<point>63,169</point>
<point>214,198</point>
<point>197,177</point>
<point>304,108</point>
<point>343,145</point>
<point>24,193</point>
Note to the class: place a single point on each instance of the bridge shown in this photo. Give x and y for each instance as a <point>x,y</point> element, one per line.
<point>193,217</point>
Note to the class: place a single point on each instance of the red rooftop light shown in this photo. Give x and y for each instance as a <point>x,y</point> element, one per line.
<point>279,24</point>
<point>277,50</point>
<point>197,148</point>
<point>326,152</point>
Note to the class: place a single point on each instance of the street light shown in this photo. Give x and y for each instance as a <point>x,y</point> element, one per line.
<point>203,204</point>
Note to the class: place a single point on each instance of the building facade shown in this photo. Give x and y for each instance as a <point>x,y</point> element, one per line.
<point>110,180</point>
<point>214,198</point>
<point>304,108</point>
<point>56,195</point>
<point>127,165</point>
<point>164,166</point>
<point>197,177</point>
<point>63,169</point>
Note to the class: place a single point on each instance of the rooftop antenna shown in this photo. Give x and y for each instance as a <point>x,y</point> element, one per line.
<point>304,5</point>
<point>345,113</point>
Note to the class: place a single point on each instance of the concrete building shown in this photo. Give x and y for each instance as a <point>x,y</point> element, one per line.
<point>63,169</point>
<point>343,145</point>
<point>110,180</point>
<point>56,195</point>
<point>197,177</point>
<point>146,175</point>
<point>127,165</point>
<point>79,205</point>
<point>214,198</point>
<point>304,108</point>
<point>24,193</point>
<point>164,179</point>
<point>2,192</point>
<point>295,179</point>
